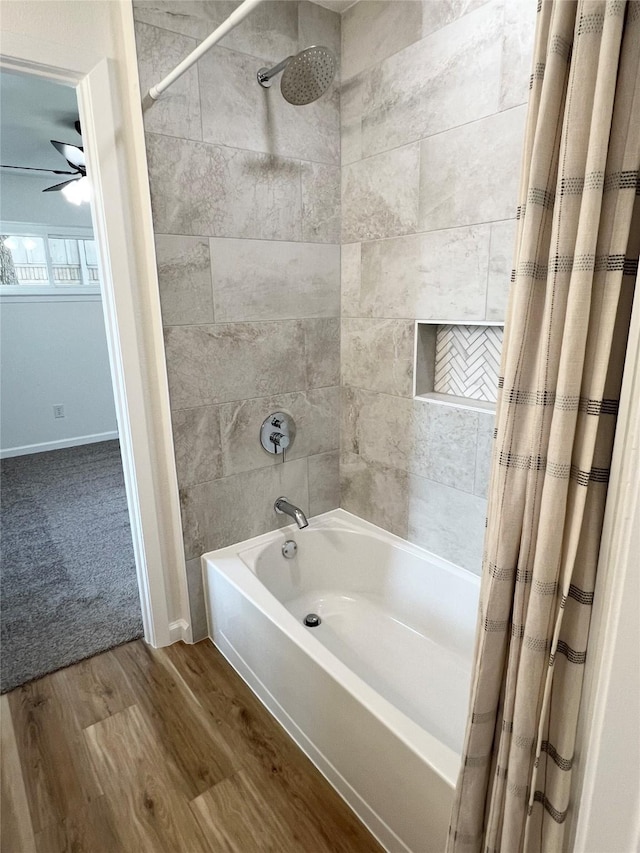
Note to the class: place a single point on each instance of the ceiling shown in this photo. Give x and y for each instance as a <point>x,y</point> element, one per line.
<point>336,5</point>
<point>32,112</point>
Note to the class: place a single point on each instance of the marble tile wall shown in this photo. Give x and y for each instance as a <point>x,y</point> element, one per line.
<point>245,193</point>
<point>433,105</point>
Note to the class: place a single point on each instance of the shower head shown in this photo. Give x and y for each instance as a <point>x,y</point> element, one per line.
<point>306,77</point>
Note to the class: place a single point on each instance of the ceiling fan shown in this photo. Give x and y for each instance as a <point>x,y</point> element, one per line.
<point>73,154</point>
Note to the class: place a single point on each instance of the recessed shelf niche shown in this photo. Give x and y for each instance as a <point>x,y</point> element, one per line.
<point>457,363</point>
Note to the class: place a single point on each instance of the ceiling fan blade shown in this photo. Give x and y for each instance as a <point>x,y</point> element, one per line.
<point>73,154</point>
<point>60,186</point>
<point>35,169</point>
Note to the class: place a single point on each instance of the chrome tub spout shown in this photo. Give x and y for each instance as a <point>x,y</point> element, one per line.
<point>282,505</point>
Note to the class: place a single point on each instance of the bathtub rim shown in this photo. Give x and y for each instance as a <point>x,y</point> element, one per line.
<point>442,759</point>
<point>344,520</point>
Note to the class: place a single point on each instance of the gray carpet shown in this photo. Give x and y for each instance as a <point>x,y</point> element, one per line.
<point>68,582</point>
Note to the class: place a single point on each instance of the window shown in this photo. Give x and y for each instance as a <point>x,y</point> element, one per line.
<point>24,260</point>
<point>34,258</point>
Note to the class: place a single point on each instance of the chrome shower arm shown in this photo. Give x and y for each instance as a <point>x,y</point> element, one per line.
<point>265,75</point>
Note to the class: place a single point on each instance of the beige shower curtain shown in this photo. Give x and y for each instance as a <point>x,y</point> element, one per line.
<point>565,337</point>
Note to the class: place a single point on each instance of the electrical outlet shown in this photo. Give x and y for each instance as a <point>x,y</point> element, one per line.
<point>58,411</point>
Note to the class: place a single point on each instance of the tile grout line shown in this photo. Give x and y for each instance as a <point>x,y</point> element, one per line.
<point>275,464</point>
<point>486,287</point>
<point>360,240</point>
<point>252,399</point>
<point>420,139</point>
<point>269,154</point>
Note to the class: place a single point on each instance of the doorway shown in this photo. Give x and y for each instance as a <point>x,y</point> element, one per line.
<point>101,67</point>
<point>68,567</point>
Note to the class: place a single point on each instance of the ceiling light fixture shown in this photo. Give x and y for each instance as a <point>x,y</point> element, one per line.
<point>78,192</point>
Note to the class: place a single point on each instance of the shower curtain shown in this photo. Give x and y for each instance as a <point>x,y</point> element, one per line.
<point>565,338</point>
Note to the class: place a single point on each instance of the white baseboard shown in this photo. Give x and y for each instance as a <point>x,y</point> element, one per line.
<point>180,630</point>
<point>57,445</point>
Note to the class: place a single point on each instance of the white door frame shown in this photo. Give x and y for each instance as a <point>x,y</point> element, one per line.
<point>607,785</point>
<point>155,518</point>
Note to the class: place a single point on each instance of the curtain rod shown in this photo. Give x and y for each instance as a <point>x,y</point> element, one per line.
<point>232,21</point>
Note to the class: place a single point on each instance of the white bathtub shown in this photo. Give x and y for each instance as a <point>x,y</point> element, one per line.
<point>376,695</point>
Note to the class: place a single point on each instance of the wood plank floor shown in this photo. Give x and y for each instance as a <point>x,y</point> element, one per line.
<point>142,749</point>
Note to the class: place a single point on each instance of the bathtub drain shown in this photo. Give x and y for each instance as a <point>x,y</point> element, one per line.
<point>312,620</point>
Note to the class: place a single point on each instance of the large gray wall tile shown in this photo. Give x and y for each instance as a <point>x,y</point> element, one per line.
<point>503,240</point>
<point>177,112</point>
<point>317,25</point>
<point>378,427</point>
<point>438,13</point>
<point>324,482</point>
<point>271,30</point>
<point>374,492</point>
<point>184,277</point>
<point>440,275</point>
<point>317,418</point>
<point>517,46</point>
<point>194,18</point>
<point>243,114</point>
<point>350,276</point>
<point>371,31</point>
<point>313,130</point>
<point>447,521</point>
<point>486,425</point>
<point>270,280</point>
<point>320,203</point>
<point>471,173</point>
<point>221,512</point>
<point>431,440</point>
<point>235,361</point>
<point>444,444</point>
<point>351,94</point>
<point>322,352</point>
<point>380,195</point>
<point>196,441</point>
<point>378,355</point>
<point>237,113</point>
<point>197,606</point>
<point>432,86</point>
<point>349,412</point>
<point>210,190</point>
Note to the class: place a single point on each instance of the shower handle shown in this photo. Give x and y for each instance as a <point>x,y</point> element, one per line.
<point>279,439</point>
<point>265,75</point>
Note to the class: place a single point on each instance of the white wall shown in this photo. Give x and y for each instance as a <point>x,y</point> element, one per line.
<point>22,200</point>
<point>85,27</point>
<point>53,351</point>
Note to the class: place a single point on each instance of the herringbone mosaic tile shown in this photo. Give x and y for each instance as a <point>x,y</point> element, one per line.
<point>468,361</point>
